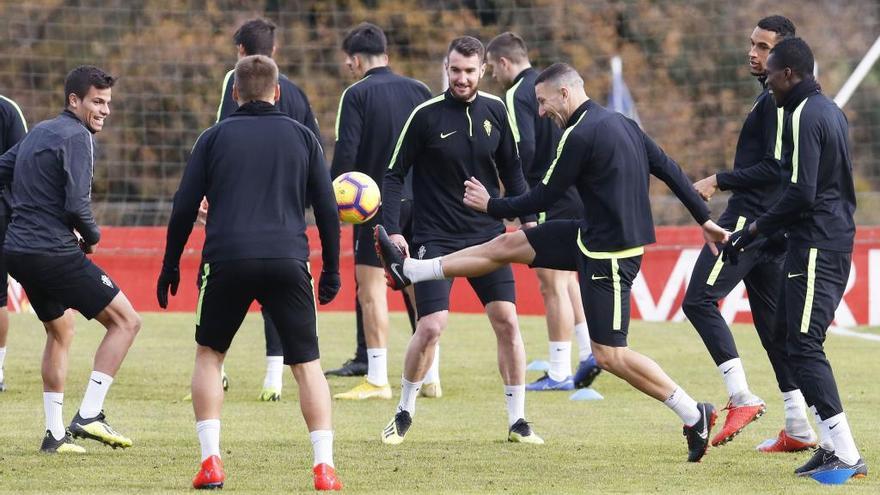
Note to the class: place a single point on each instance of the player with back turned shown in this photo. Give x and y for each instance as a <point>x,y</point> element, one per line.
<point>13,127</point>
<point>257,37</point>
<point>537,139</point>
<point>259,170</point>
<point>371,114</point>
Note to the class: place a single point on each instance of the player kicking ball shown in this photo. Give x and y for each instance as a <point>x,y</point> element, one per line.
<point>610,160</point>
<point>258,168</point>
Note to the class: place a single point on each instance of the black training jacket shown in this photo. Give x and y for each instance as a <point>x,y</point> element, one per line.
<point>446,141</point>
<point>756,180</point>
<point>610,161</point>
<point>50,172</point>
<point>293,102</point>
<point>818,203</point>
<point>371,115</point>
<point>258,168</point>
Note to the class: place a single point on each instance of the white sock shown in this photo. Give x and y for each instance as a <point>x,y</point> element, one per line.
<point>844,445</point>
<point>734,376</point>
<point>93,400</point>
<point>582,333</point>
<point>796,423</point>
<point>682,404</point>
<point>274,373</point>
<point>322,445</point>
<point>209,437</point>
<point>53,403</point>
<point>421,270</point>
<point>377,366</point>
<point>515,396</point>
<point>408,393</point>
<point>560,360</point>
<point>433,375</point>
<point>2,359</point>
<point>824,433</point>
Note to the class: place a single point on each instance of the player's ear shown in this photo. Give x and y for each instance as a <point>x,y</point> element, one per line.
<point>72,101</point>
<point>277,92</point>
<point>234,92</point>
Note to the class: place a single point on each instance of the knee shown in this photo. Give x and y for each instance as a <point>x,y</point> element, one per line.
<point>429,331</point>
<point>606,358</point>
<point>132,323</point>
<point>694,305</point>
<point>552,288</point>
<point>501,245</point>
<point>507,329</point>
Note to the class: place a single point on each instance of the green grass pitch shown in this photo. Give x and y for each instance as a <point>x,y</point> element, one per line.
<point>626,443</point>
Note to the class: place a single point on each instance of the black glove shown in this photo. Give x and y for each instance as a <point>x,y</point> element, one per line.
<point>737,243</point>
<point>169,277</point>
<point>328,285</point>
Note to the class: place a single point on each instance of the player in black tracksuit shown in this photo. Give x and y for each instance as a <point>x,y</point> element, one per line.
<point>610,160</point>
<point>758,148</point>
<point>537,139</point>
<point>816,209</point>
<point>13,127</point>
<point>459,134</point>
<point>256,38</point>
<point>259,170</point>
<point>371,114</point>
<point>48,175</point>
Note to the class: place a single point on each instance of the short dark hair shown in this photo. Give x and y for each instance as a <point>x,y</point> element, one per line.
<point>79,80</point>
<point>795,54</point>
<point>255,77</point>
<point>365,38</point>
<point>509,46</point>
<point>256,36</point>
<point>556,72</point>
<point>782,26</point>
<point>467,46</point>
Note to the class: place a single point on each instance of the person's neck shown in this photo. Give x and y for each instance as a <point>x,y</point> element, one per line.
<point>517,69</point>
<point>368,64</point>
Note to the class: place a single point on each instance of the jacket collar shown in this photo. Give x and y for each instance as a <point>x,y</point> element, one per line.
<point>800,92</point>
<point>384,69</point>
<point>256,108</point>
<point>578,112</point>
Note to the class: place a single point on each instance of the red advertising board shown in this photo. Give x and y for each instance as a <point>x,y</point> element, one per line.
<point>132,256</point>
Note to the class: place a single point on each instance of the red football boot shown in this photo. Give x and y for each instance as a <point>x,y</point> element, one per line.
<point>738,417</point>
<point>325,478</point>
<point>211,475</point>
<point>784,443</point>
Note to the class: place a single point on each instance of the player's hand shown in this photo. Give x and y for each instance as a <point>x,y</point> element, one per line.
<point>739,241</point>
<point>328,286</point>
<point>202,217</point>
<point>706,187</point>
<point>713,234</point>
<point>401,243</point>
<point>475,195</point>
<point>528,225</point>
<point>169,278</point>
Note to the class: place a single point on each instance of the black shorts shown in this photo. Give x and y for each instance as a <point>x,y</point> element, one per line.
<point>4,274</point>
<point>362,235</point>
<point>55,283</point>
<point>605,278</point>
<point>433,295</point>
<point>282,286</point>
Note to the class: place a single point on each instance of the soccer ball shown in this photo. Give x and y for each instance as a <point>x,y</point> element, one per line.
<point>357,197</point>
